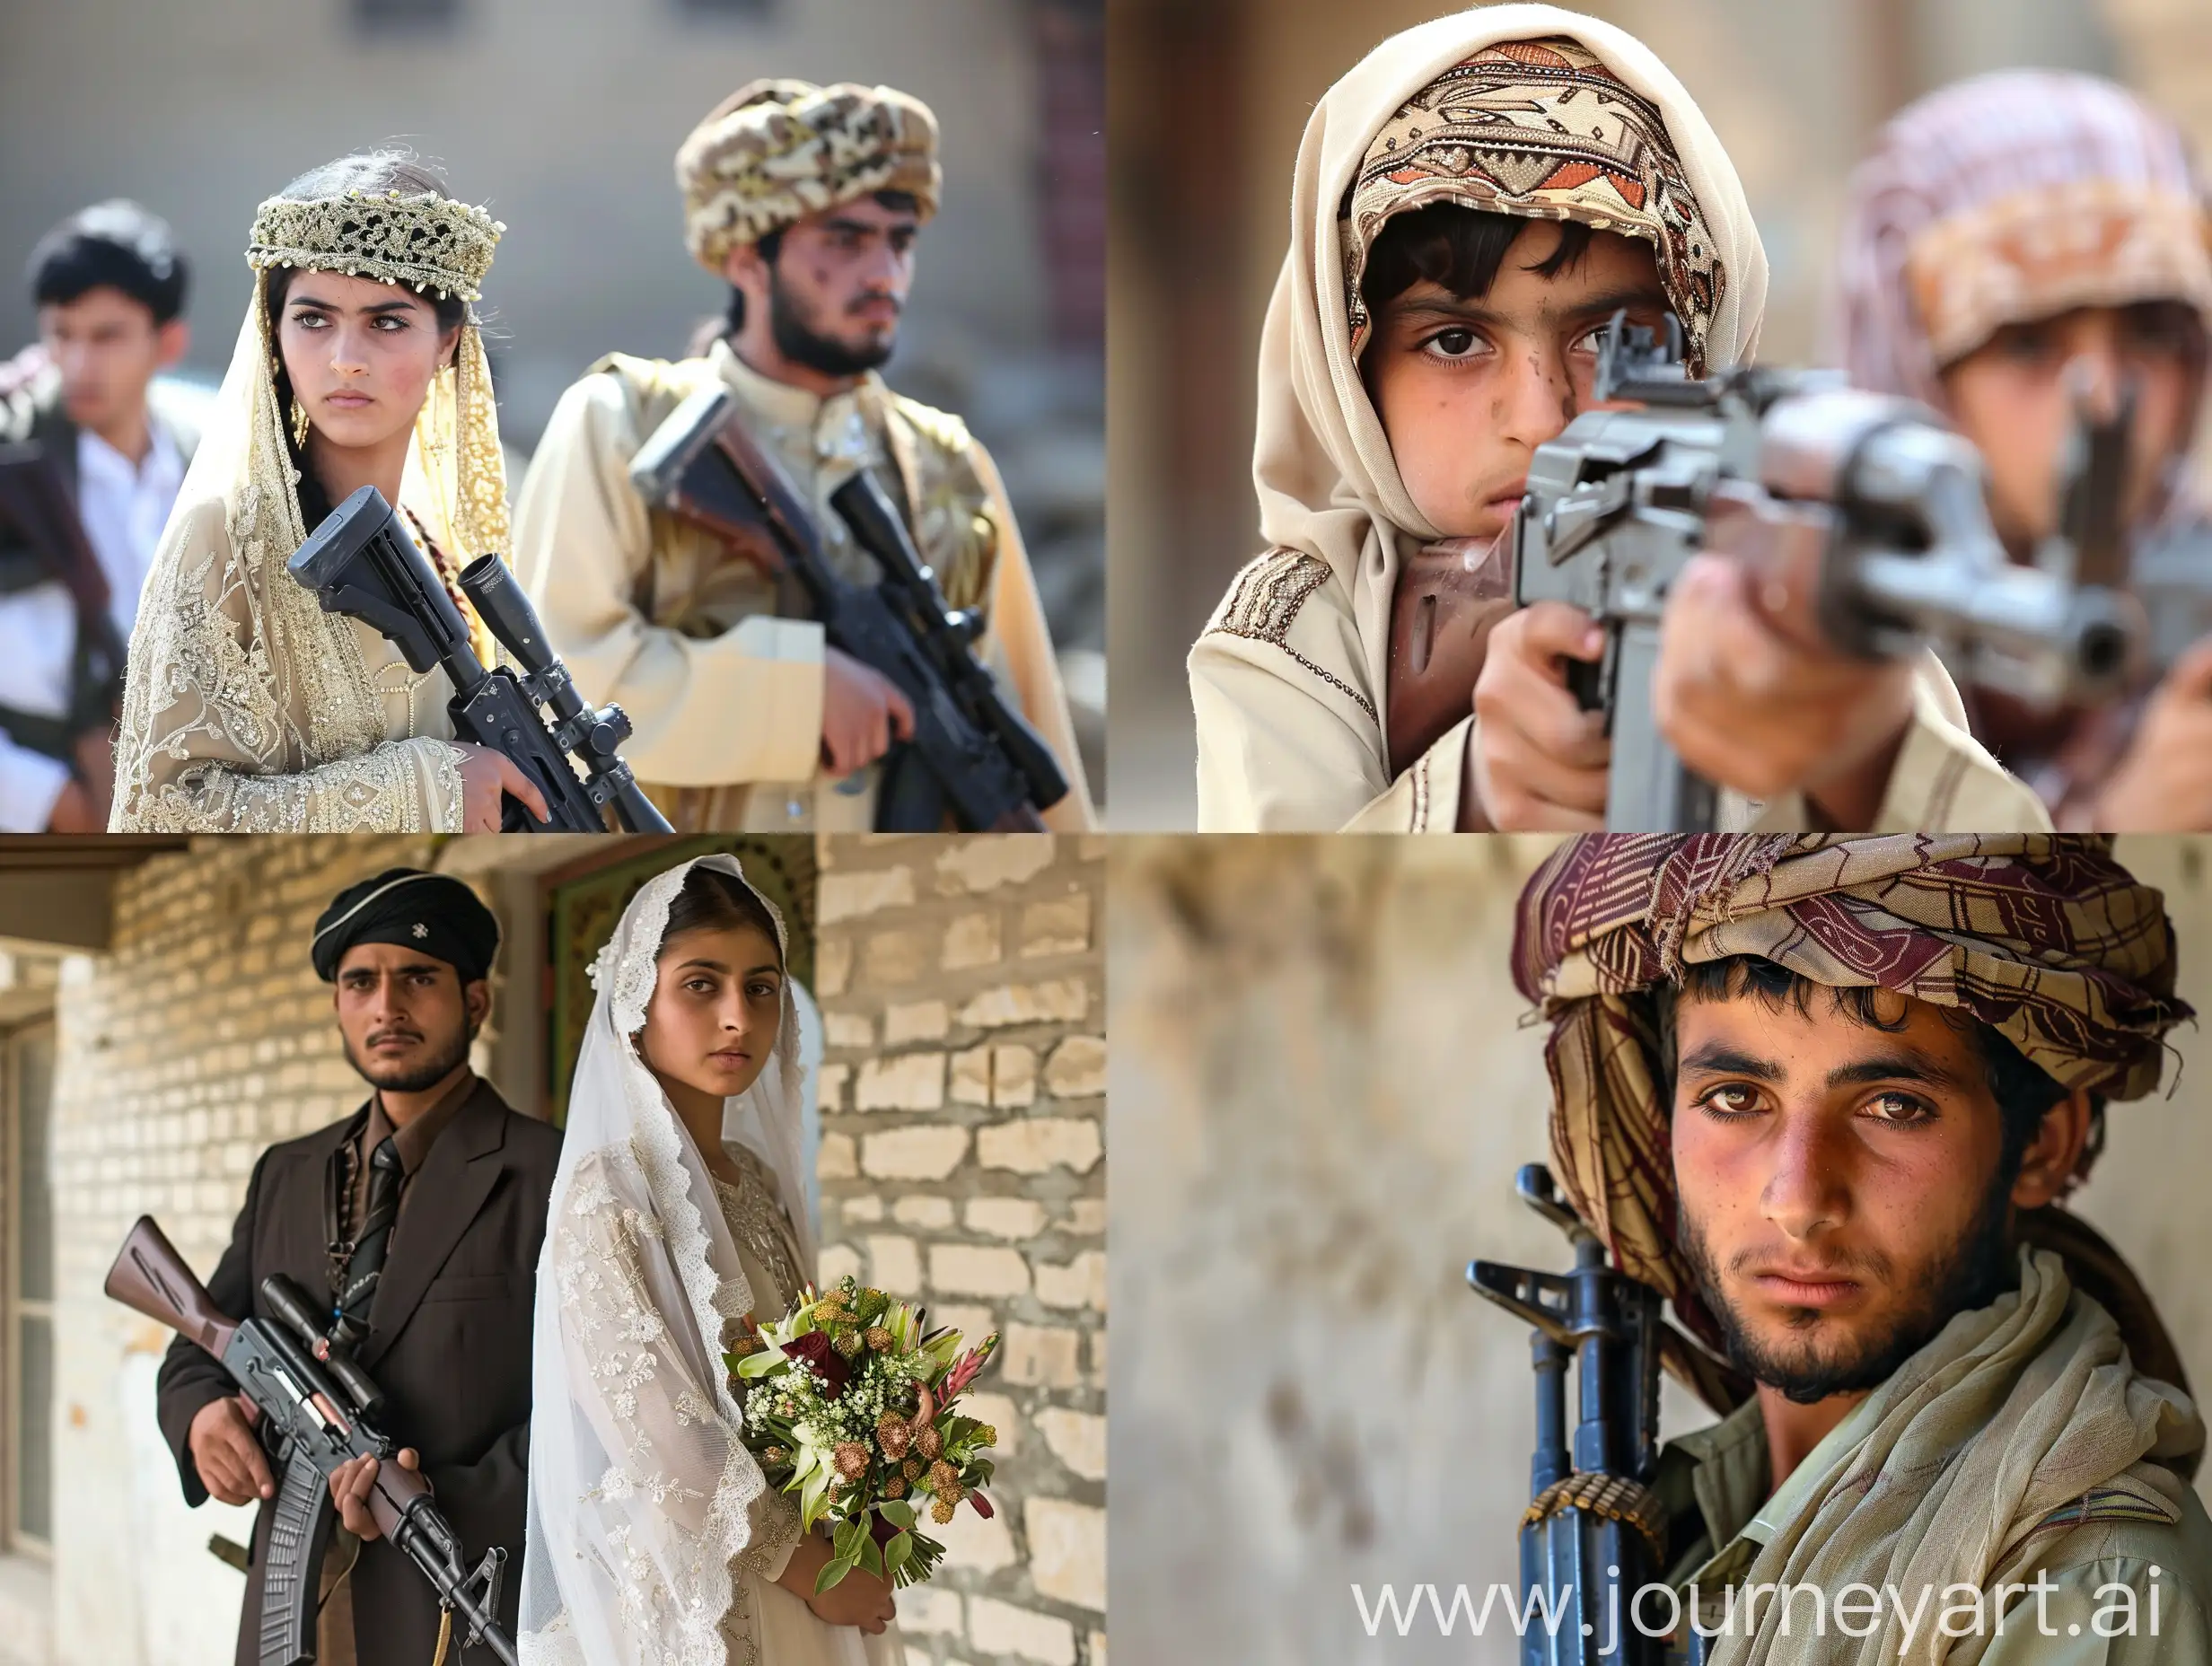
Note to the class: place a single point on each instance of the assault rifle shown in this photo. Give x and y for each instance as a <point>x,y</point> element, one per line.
<point>972,756</point>
<point>1792,472</point>
<point>319,1407</point>
<point>361,562</point>
<point>1594,1534</point>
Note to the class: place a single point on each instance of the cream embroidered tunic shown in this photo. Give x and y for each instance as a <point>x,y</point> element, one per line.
<point>685,633</point>
<point>1289,738</point>
<point>265,714</point>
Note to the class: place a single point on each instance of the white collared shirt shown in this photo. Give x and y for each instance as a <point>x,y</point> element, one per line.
<point>123,510</point>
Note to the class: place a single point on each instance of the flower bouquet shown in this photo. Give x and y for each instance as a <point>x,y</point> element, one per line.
<point>848,1403</point>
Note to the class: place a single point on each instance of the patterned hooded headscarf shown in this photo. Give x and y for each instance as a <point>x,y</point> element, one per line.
<point>1543,112</point>
<point>1542,130</point>
<point>2044,938</point>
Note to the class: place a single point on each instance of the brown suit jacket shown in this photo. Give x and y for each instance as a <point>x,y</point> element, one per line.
<point>448,1342</point>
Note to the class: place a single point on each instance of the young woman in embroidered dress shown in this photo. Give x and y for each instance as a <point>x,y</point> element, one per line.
<point>246,707</point>
<point>678,1210</point>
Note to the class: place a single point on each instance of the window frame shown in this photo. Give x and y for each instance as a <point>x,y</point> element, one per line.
<point>15,1306</point>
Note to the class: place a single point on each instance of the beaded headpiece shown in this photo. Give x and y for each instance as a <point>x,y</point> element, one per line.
<point>426,241</point>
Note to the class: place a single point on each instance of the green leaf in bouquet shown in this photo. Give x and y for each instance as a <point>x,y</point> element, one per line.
<point>897,1553</point>
<point>896,1511</point>
<point>759,1364</point>
<point>813,1495</point>
<point>848,1538</point>
<point>832,1570</point>
<point>872,1556</point>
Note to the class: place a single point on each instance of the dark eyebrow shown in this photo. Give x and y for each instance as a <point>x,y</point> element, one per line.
<point>397,304</point>
<point>1614,301</point>
<point>405,966</point>
<point>1720,1058</point>
<point>1906,1063</point>
<point>765,966</point>
<point>1444,309</point>
<point>712,966</point>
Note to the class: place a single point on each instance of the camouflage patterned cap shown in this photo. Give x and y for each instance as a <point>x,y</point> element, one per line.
<point>776,150</point>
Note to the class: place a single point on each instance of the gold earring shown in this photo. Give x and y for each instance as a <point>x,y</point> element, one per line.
<point>299,422</point>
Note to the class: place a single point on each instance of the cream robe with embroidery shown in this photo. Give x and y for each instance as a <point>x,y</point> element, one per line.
<point>1289,739</point>
<point>663,619</point>
<point>260,713</point>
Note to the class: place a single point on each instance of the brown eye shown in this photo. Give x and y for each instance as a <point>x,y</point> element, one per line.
<point>1901,1109</point>
<point>1732,1100</point>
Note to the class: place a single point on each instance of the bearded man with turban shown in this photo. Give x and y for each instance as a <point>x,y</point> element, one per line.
<point>1828,1095</point>
<point>807,202</point>
<point>420,1218</point>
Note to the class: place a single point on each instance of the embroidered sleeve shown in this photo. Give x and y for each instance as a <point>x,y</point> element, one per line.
<point>1288,731</point>
<point>207,746</point>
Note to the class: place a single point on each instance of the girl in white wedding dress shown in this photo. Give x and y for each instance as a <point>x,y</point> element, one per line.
<point>679,1208</point>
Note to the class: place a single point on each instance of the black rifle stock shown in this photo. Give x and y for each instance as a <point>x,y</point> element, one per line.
<point>971,756</point>
<point>318,1410</point>
<point>1867,503</point>
<point>360,562</point>
<point>1594,1535</point>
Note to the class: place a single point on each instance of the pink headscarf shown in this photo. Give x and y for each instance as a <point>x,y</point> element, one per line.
<point>2008,198</point>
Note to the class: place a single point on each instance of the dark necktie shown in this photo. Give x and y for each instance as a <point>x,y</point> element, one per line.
<point>368,1264</point>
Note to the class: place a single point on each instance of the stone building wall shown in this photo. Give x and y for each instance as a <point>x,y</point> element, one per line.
<point>963,1000</point>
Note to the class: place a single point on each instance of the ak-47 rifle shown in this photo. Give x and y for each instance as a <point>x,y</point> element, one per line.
<point>1786,470</point>
<point>318,1410</point>
<point>972,756</point>
<point>361,562</point>
<point>1594,1534</point>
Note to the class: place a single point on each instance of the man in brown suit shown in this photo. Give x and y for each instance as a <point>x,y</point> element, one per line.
<point>421,1214</point>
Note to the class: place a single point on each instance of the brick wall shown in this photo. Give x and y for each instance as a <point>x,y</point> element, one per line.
<point>203,1037</point>
<point>963,998</point>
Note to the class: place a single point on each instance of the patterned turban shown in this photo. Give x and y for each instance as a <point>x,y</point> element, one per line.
<point>775,151</point>
<point>1543,130</point>
<point>2003,199</point>
<point>2042,937</point>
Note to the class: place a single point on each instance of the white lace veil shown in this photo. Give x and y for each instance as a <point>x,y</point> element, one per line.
<point>639,1488</point>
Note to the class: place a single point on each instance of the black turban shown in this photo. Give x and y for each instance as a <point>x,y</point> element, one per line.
<point>427,911</point>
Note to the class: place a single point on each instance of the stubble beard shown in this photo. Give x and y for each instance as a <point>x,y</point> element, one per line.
<point>1971,1273</point>
<point>797,339</point>
<point>397,1078</point>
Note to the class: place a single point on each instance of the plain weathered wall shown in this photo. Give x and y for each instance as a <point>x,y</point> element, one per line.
<point>1321,1086</point>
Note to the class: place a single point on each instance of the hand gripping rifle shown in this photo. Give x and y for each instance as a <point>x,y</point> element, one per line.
<point>1594,1534</point>
<point>1868,498</point>
<point>361,562</point>
<point>972,756</point>
<point>320,1407</point>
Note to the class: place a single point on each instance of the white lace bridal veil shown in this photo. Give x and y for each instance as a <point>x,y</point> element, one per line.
<point>638,1484</point>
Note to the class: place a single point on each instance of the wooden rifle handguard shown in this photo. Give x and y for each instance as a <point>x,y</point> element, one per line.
<point>1449,596</point>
